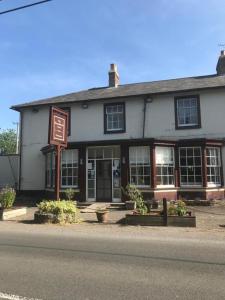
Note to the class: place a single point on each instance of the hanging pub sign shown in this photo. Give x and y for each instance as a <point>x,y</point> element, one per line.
<point>58,127</point>
<point>58,130</point>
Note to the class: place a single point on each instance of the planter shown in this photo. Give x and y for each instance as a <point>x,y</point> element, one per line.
<point>144,220</point>
<point>43,218</point>
<point>130,205</point>
<point>158,220</point>
<point>10,213</point>
<point>184,221</point>
<point>102,216</point>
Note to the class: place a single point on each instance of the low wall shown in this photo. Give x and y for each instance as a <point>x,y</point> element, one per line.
<point>9,170</point>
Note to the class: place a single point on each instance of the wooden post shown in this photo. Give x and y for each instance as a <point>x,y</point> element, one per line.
<point>57,171</point>
<point>165,211</point>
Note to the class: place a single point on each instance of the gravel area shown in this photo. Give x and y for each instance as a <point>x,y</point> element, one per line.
<point>208,217</point>
<point>210,225</point>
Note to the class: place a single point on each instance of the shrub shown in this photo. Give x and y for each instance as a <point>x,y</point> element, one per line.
<point>7,197</point>
<point>135,195</point>
<point>63,211</point>
<point>178,208</point>
<point>69,194</point>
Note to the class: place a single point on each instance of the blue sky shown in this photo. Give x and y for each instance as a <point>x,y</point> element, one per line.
<point>65,45</point>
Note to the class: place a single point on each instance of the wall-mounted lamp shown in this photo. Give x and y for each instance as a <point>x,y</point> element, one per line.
<point>81,161</point>
<point>123,160</point>
<point>84,105</point>
<point>35,110</point>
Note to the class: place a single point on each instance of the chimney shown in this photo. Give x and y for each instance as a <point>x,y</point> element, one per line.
<point>114,78</point>
<point>220,68</point>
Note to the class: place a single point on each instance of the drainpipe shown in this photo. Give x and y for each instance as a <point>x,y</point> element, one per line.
<point>146,100</point>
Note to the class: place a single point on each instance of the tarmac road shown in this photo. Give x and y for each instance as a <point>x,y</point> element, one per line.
<point>94,266</point>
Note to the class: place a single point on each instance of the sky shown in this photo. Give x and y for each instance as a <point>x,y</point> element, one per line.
<point>65,46</point>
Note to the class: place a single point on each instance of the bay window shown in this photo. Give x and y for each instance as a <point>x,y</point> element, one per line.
<point>139,159</point>
<point>69,169</point>
<point>164,166</point>
<point>190,166</point>
<point>213,166</point>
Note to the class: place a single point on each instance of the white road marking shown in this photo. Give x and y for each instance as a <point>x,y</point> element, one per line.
<point>14,297</point>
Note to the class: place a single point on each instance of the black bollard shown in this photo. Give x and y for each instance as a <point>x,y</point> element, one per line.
<point>165,211</point>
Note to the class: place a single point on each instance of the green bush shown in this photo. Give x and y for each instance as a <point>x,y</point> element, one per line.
<point>63,211</point>
<point>178,208</point>
<point>135,195</point>
<point>7,197</point>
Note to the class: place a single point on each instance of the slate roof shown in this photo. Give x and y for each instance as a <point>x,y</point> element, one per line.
<point>135,89</point>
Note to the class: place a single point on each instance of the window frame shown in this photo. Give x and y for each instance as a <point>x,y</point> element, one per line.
<point>184,126</point>
<point>111,131</point>
<point>194,185</point>
<point>149,165</point>
<point>219,166</point>
<point>172,165</point>
<point>65,186</point>
<point>50,172</point>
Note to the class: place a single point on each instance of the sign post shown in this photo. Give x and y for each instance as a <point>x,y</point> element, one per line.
<point>58,137</point>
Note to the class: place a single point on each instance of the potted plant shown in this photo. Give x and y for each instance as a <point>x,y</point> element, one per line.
<point>102,215</point>
<point>135,198</point>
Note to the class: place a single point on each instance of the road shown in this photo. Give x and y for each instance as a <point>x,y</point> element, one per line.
<point>94,266</point>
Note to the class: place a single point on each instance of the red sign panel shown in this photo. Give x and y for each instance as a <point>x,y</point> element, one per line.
<point>58,127</point>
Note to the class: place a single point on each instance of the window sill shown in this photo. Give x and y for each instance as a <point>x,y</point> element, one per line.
<point>179,127</point>
<point>114,131</point>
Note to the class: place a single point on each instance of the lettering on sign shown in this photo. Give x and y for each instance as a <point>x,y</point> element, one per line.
<point>58,127</point>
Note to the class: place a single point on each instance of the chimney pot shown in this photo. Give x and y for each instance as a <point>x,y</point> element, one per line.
<point>114,78</point>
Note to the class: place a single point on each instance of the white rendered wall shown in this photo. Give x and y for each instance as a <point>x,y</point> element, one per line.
<point>9,170</point>
<point>88,125</point>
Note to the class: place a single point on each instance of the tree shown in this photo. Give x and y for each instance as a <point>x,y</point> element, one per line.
<point>7,141</point>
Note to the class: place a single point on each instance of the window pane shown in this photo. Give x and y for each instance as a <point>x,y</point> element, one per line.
<point>165,165</point>
<point>139,159</point>
<point>187,111</point>
<point>69,168</point>
<point>213,166</point>
<point>115,117</point>
<point>190,166</point>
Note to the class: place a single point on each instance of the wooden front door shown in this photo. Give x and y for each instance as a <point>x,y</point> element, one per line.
<point>104,180</point>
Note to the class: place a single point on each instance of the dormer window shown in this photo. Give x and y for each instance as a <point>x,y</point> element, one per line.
<point>187,112</point>
<point>114,118</point>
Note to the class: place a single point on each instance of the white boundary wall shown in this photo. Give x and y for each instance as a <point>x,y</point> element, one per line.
<point>9,170</point>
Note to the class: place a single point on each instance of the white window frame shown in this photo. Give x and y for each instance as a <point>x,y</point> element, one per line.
<point>136,164</point>
<point>115,117</point>
<point>187,110</point>
<point>215,166</point>
<point>74,159</point>
<point>165,165</point>
<point>189,184</point>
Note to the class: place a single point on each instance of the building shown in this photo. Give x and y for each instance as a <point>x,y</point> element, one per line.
<point>166,137</point>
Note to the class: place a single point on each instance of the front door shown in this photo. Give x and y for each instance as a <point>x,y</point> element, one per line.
<point>104,180</point>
